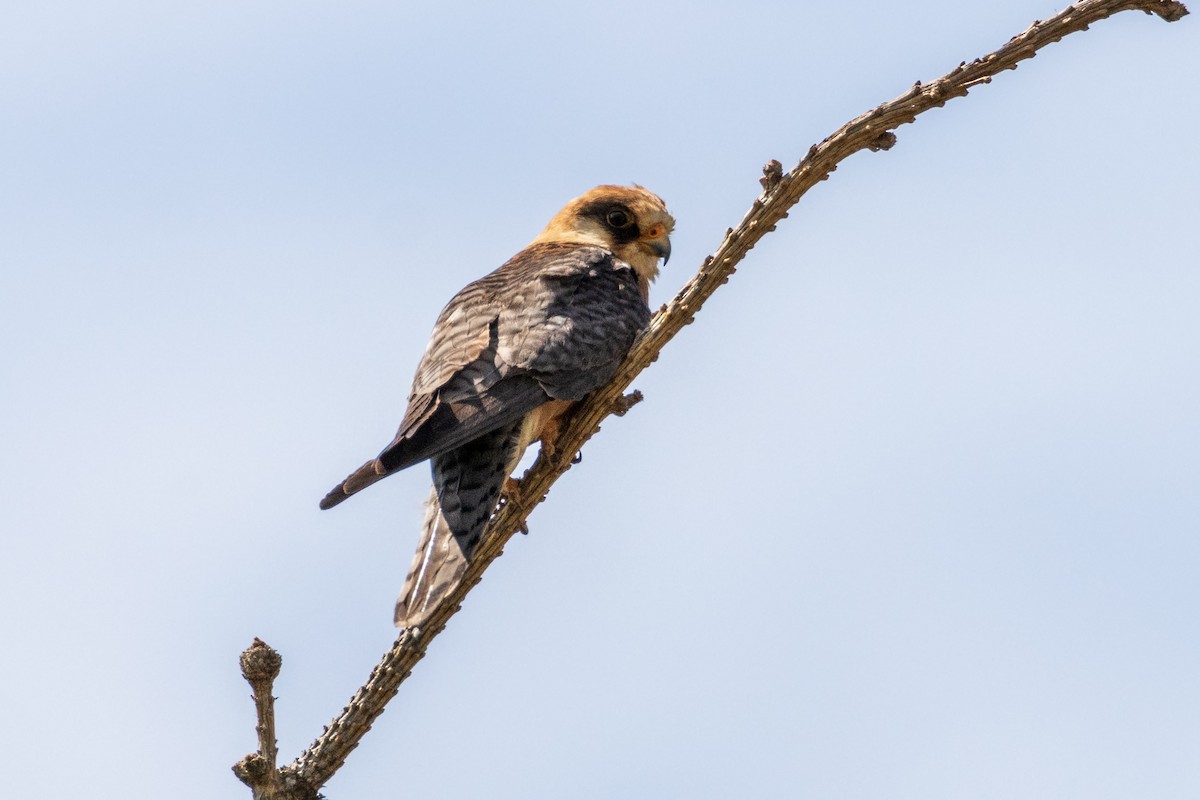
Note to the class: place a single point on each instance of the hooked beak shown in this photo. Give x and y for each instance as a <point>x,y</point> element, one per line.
<point>657,240</point>
<point>661,248</point>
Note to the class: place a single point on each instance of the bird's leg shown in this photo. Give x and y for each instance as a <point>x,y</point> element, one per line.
<point>512,492</point>
<point>549,450</point>
<point>551,430</point>
<point>550,421</point>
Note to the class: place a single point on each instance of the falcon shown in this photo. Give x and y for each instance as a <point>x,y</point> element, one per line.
<point>508,357</point>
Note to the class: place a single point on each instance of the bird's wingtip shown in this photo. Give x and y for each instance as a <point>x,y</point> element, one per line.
<point>333,498</point>
<point>360,479</point>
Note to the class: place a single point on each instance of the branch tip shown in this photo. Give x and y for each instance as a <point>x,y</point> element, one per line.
<point>1172,12</point>
<point>260,663</point>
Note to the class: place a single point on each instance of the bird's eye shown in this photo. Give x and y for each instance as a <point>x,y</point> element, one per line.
<point>618,218</point>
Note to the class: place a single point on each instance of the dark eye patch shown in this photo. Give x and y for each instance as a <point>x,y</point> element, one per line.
<point>617,218</point>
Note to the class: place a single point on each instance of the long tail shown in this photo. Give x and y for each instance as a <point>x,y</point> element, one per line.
<point>467,482</point>
<point>437,568</point>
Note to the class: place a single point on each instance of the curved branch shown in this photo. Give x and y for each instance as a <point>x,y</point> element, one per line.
<point>870,131</point>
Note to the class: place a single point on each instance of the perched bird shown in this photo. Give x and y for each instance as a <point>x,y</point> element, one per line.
<point>508,356</point>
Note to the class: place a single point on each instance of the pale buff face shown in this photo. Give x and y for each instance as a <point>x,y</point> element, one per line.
<point>629,221</point>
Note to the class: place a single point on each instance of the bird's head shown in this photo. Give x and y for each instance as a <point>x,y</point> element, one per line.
<point>630,221</point>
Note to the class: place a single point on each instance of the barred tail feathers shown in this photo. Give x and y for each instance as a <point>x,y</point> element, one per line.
<point>467,484</point>
<point>437,568</point>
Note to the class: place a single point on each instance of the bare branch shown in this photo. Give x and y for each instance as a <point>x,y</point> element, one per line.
<point>260,667</point>
<point>870,131</point>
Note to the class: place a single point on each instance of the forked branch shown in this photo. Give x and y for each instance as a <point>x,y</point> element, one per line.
<point>871,131</point>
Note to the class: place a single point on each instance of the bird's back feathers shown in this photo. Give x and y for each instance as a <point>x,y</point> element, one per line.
<point>552,323</point>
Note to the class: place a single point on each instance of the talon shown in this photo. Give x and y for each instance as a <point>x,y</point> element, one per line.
<point>512,493</point>
<point>512,488</point>
<point>578,457</point>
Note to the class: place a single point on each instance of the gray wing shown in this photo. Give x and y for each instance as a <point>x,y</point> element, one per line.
<point>552,323</point>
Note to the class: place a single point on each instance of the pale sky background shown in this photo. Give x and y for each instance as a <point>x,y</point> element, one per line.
<point>911,511</point>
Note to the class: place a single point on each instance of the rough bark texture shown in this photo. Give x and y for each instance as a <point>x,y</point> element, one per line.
<point>302,779</point>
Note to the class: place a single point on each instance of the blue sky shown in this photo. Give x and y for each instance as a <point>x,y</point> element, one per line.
<point>911,511</point>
